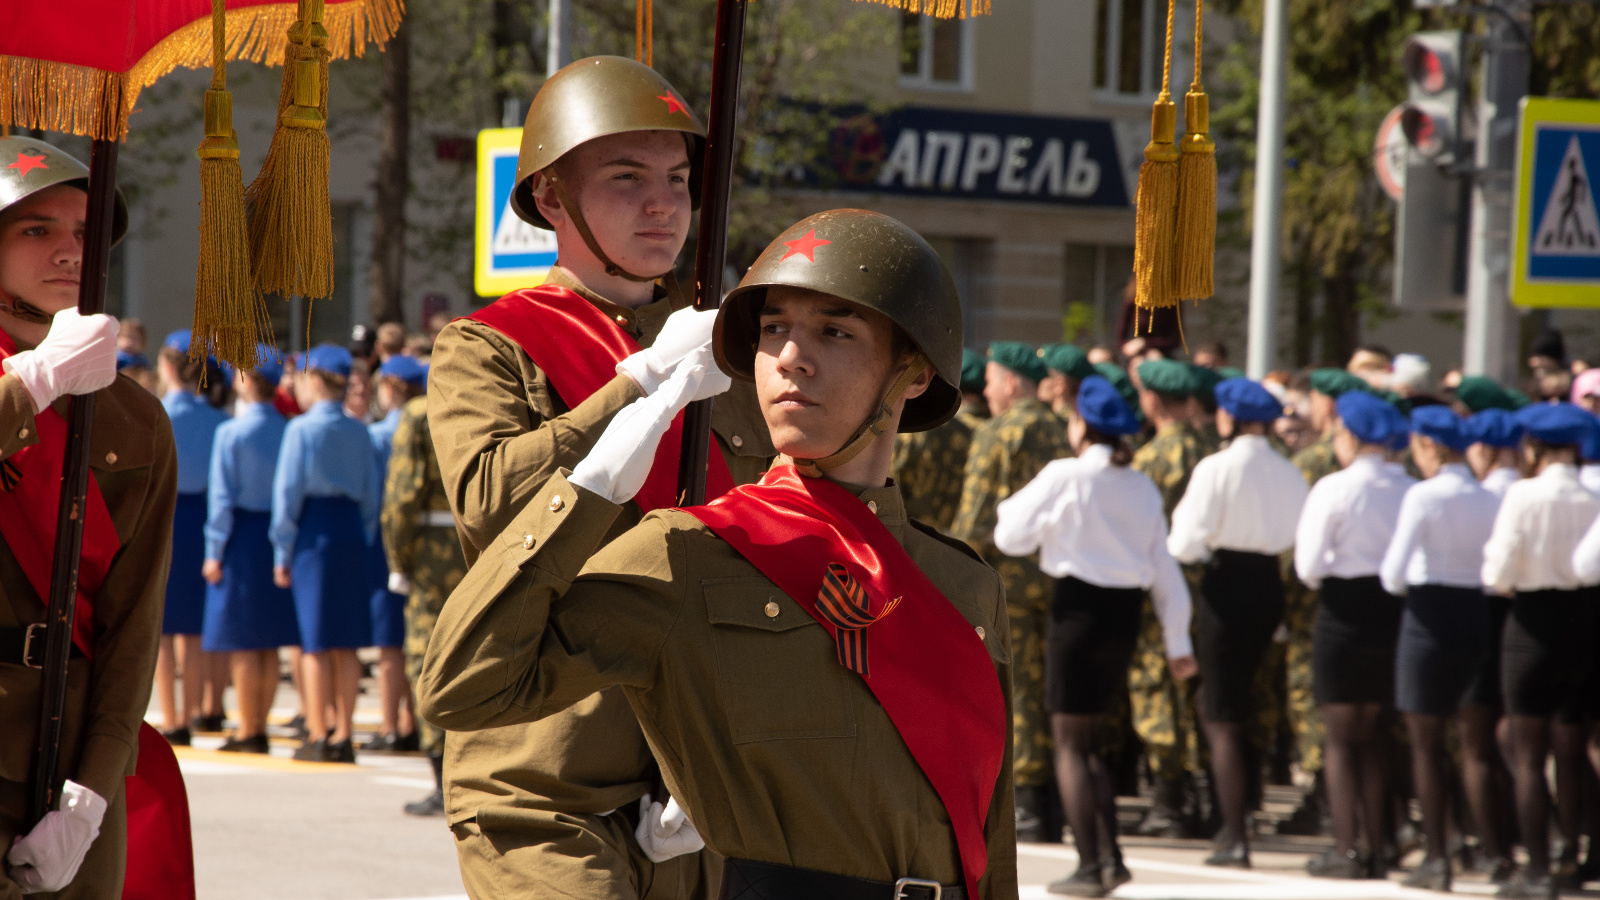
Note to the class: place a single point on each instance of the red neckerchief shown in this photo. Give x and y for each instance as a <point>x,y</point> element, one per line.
<point>930,670</point>
<point>578,348</point>
<point>30,499</point>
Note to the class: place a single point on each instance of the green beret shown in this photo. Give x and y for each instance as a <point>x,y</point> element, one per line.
<point>1170,377</point>
<point>972,363</point>
<point>1227,372</point>
<point>1397,401</point>
<point>1336,382</point>
<point>1205,381</point>
<point>1479,393</point>
<point>1019,358</point>
<point>1120,380</point>
<point>1518,398</point>
<point>1067,359</point>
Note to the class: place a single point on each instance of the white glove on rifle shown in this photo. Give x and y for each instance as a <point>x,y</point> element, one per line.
<point>77,356</point>
<point>685,331</point>
<point>399,583</point>
<point>47,858</point>
<point>616,467</point>
<point>665,831</point>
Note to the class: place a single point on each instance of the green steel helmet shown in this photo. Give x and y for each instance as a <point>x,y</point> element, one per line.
<point>869,259</point>
<point>28,166</point>
<point>594,98</point>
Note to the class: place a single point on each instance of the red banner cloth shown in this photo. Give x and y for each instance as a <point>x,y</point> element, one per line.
<point>930,670</point>
<point>160,845</point>
<point>578,347</point>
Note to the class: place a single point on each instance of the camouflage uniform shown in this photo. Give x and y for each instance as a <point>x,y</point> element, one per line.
<point>1163,711</point>
<point>1007,452</point>
<point>928,466</point>
<point>419,535</point>
<point>1300,615</point>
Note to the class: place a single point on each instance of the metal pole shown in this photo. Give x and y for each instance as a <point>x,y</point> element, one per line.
<point>1490,338</point>
<point>1266,237</point>
<point>558,51</point>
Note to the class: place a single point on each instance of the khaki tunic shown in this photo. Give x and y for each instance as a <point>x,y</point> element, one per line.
<point>778,753</point>
<point>536,790</point>
<point>928,466</point>
<point>133,461</point>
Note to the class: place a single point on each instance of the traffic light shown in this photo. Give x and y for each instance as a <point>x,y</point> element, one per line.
<point>1431,116</point>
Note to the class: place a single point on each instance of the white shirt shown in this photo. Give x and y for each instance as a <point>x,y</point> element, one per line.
<point>1500,478</point>
<point>1244,497</point>
<point>1444,523</point>
<point>1589,477</point>
<point>1348,520</point>
<point>1539,525</point>
<point>1586,558</point>
<point>1101,524</point>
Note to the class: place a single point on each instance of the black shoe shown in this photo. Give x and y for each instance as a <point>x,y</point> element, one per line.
<point>382,743</point>
<point>256,743</point>
<point>431,805</point>
<point>297,727</point>
<point>313,751</point>
<point>1350,866</point>
<point>1432,875</point>
<point>1166,816</point>
<point>1031,815</point>
<point>178,737</point>
<point>408,743</point>
<point>1115,874</point>
<point>1088,881</point>
<point>1497,871</point>
<point>342,752</point>
<point>1233,856</point>
<point>208,725</point>
<point>1529,887</point>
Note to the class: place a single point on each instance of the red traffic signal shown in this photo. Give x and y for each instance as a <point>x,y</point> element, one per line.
<point>1425,66</point>
<point>1426,130</point>
<point>1431,116</point>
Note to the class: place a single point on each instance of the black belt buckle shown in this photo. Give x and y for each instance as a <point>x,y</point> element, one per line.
<point>931,889</point>
<point>29,633</point>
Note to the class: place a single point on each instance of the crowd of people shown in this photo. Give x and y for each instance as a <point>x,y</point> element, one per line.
<point>1341,563</point>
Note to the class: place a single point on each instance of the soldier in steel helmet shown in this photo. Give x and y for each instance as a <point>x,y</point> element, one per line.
<point>50,352</point>
<point>610,161</point>
<point>825,681</point>
<point>928,465</point>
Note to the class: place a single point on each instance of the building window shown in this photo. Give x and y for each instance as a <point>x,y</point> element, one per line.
<point>1128,44</point>
<point>935,53</point>
<point>1094,277</point>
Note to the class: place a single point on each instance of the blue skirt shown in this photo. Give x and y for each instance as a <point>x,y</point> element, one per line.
<point>246,611</point>
<point>186,588</point>
<point>331,595</point>
<point>388,608</point>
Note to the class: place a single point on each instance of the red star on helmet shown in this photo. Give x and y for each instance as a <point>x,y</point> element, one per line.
<point>26,163</point>
<point>804,246</point>
<point>674,105</point>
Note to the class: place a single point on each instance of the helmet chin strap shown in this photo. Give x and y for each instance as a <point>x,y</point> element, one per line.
<point>869,430</point>
<point>576,215</point>
<point>18,308</point>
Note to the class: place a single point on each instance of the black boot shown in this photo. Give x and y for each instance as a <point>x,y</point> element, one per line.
<point>1032,813</point>
<point>1167,816</point>
<point>433,804</point>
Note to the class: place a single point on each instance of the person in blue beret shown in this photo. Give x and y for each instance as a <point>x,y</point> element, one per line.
<point>1343,534</point>
<point>1589,453</point>
<point>1495,454</point>
<point>1237,515</point>
<point>1098,528</point>
<point>1435,561</point>
<point>137,366</point>
<point>1547,651</point>
<point>325,504</point>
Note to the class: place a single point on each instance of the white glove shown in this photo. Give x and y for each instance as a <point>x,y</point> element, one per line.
<point>399,583</point>
<point>685,331</point>
<point>48,857</point>
<point>616,467</point>
<point>77,356</point>
<point>665,832</point>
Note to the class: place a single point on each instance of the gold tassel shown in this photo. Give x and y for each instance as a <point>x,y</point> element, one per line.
<point>291,221</point>
<point>1197,186</point>
<point>230,318</point>
<point>939,9</point>
<point>1156,204</point>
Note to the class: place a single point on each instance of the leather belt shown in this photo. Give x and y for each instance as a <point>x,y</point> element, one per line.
<point>25,646</point>
<point>746,880</point>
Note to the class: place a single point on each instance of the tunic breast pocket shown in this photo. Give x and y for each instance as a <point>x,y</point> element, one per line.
<point>777,666</point>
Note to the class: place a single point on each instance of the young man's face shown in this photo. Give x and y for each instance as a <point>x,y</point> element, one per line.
<point>41,248</point>
<point>633,189</point>
<point>821,366</point>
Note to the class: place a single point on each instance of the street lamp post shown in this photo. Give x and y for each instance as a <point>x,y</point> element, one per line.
<point>1266,236</point>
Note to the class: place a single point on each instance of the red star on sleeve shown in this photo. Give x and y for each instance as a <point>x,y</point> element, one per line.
<point>805,246</point>
<point>674,105</point>
<point>26,163</point>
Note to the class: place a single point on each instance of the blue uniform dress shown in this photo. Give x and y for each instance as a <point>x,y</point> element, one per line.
<point>325,502</point>
<point>388,608</point>
<point>194,427</point>
<point>246,611</point>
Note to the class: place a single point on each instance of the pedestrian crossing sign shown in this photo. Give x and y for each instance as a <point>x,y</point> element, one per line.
<point>1556,232</point>
<point>509,254</point>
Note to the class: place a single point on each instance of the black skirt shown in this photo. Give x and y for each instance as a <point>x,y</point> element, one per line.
<point>1240,606</point>
<point>1089,642</point>
<point>1353,645</point>
<point>1485,687</point>
<point>1444,639</point>
<point>1546,654</point>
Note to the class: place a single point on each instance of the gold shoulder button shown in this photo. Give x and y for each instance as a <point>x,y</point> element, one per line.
<point>556,503</point>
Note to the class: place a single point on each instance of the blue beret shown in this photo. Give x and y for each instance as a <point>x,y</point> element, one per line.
<point>1399,428</point>
<point>1589,449</point>
<point>179,340</point>
<point>1124,385</point>
<point>1441,424</point>
<point>405,368</point>
<point>269,365</point>
<point>1247,401</point>
<point>1104,409</point>
<point>1555,423</point>
<point>1495,427</point>
<point>1368,417</point>
<point>131,360</point>
<point>330,358</point>
<point>1019,358</point>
